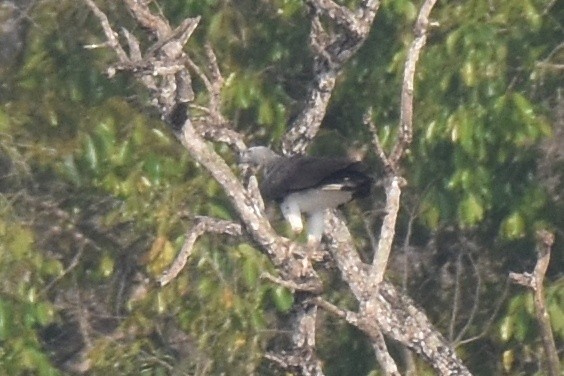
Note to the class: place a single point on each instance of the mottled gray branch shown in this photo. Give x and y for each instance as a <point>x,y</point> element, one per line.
<point>111,35</point>
<point>203,225</point>
<point>332,49</point>
<point>383,308</point>
<point>535,282</point>
<point>387,232</point>
<point>378,148</point>
<point>406,109</point>
<point>378,343</point>
<point>383,355</point>
<point>164,68</point>
<point>303,359</point>
<point>148,20</point>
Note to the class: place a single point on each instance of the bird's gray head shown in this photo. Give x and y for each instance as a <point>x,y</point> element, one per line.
<point>258,156</point>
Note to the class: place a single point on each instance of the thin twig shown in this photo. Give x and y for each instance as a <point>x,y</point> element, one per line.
<point>406,248</point>
<point>486,327</point>
<point>331,308</point>
<point>378,343</point>
<point>111,35</point>
<point>476,302</point>
<point>367,119</point>
<point>312,287</point>
<point>456,298</point>
<point>73,264</point>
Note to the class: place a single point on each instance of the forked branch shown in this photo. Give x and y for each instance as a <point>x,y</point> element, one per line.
<point>203,225</point>
<point>535,282</point>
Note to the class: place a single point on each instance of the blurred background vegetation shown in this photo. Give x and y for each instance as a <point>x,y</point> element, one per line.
<point>96,194</point>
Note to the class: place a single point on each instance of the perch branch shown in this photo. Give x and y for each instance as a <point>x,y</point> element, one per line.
<point>381,309</point>
<point>165,73</point>
<point>387,232</point>
<point>387,310</point>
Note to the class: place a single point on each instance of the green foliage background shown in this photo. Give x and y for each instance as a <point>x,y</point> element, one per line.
<point>96,195</point>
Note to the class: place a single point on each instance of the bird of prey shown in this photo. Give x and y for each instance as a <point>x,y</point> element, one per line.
<point>310,185</point>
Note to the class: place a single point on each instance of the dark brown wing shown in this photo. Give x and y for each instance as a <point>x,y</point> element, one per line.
<point>297,173</point>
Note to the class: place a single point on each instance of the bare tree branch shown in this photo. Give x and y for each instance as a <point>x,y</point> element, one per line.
<point>111,35</point>
<point>378,343</point>
<point>332,50</point>
<point>291,285</point>
<point>404,139</point>
<point>387,232</point>
<point>203,225</point>
<point>475,302</point>
<point>303,358</point>
<point>383,308</point>
<point>148,20</point>
<point>535,282</point>
<point>164,69</point>
<point>289,257</point>
<point>487,325</point>
<point>367,119</point>
<point>382,354</point>
<point>456,298</point>
<point>406,114</point>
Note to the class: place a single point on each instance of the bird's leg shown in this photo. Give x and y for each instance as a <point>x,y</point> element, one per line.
<point>292,214</point>
<point>316,224</point>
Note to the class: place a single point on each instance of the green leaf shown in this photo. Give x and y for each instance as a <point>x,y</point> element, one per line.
<point>5,320</point>
<point>468,73</point>
<point>471,210</point>
<point>206,287</point>
<point>219,210</point>
<point>21,240</point>
<point>70,169</point>
<point>508,358</point>
<point>250,271</point>
<point>160,302</point>
<point>452,41</point>
<point>106,266</point>
<point>51,267</point>
<point>522,326</point>
<point>90,153</point>
<point>506,328</point>
<point>513,227</point>
<point>283,298</point>
<point>44,313</point>
<point>266,113</point>
<point>532,15</point>
<point>523,105</point>
<point>431,215</point>
<point>152,167</point>
<point>556,312</point>
<point>124,154</point>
